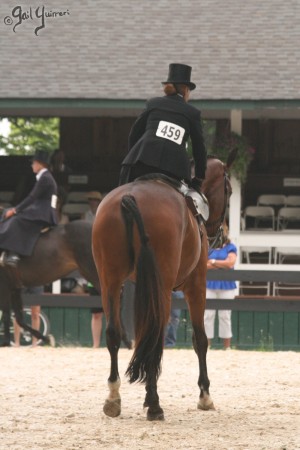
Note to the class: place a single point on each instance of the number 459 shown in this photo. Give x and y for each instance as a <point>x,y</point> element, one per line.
<point>171,132</point>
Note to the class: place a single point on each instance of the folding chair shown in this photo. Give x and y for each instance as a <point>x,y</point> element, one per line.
<point>6,198</point>
<point>77,197</point>
<point>288,216</point>
<point>292,200</point>
<point>271,200</point>
<point>263,217</point>
<point>75,210</point>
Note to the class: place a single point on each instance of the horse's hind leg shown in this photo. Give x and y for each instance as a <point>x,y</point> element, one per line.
<point>155,412</point>
<point>112,406</point>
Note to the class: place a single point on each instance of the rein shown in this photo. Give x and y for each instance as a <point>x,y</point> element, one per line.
<point>218,240</point>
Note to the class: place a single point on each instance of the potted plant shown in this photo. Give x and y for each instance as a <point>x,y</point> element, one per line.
<point>224,144</point>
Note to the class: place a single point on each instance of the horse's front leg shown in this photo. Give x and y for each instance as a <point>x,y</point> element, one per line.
<point>6,327</point>
<point>195,294</point>
<point>112,405</point>
<point>200,345</point>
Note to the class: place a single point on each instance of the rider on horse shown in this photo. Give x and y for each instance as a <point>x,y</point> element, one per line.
<point>158,138</point>
<point>22,225</point>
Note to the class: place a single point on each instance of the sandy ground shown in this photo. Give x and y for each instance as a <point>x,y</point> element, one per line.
<point>53,398</point>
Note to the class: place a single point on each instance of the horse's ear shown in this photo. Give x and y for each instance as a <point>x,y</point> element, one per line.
<point>231,157</point>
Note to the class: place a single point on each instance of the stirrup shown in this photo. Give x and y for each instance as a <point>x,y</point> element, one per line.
<point>12,260</point>
<point>197,202</point>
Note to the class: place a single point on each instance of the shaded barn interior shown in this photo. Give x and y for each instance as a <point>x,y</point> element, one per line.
<point>95,147</point>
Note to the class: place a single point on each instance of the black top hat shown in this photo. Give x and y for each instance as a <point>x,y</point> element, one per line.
<point>42,156</point>
<point>180,74</point>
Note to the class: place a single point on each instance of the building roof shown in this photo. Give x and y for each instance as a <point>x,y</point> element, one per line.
<point>120,49</point>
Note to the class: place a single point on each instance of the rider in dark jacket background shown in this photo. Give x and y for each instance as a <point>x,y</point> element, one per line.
<point>23,223</point>
<point>158,138</point>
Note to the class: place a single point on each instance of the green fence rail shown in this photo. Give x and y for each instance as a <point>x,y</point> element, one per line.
<point>258,322</point>
<point>251,330</point>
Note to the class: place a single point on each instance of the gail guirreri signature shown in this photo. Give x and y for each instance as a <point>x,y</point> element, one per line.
<point>40,13</point>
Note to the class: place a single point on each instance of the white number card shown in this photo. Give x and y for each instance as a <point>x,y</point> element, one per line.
<point>54,201</point>
<point>170,131</point>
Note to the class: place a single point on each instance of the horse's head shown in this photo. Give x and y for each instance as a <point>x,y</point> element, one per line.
<point>217,188</point>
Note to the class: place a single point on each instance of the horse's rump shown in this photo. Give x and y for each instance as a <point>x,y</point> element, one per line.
<point>168,225</point>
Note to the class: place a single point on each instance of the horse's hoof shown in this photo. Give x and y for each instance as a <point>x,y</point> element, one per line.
<point>112,408</point>
<point>155,415</point>
<point>206,404</point>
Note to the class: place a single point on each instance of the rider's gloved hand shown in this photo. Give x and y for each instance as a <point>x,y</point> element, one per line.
<point>9,213</point>
<point>196,183</point>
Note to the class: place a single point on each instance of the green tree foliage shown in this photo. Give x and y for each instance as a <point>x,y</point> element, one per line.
<point>28,134</point>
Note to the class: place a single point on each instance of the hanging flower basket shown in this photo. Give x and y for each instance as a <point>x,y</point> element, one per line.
<point>224,144</point>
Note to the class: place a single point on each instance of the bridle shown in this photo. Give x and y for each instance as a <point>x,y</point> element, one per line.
<point>218,240</point>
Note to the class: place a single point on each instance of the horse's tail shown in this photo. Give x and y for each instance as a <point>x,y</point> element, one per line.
<point>149,305</point>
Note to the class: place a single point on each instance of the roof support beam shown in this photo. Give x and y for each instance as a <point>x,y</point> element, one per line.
<point>236,119</point>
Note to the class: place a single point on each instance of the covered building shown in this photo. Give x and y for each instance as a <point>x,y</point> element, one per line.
<point>94,63</point>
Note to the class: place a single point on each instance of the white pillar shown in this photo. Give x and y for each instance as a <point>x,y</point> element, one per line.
<point>235,199</point>
<point>236,121</point>
<point>235,210</point>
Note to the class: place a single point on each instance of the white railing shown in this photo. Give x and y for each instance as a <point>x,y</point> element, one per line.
<point>272,239</point>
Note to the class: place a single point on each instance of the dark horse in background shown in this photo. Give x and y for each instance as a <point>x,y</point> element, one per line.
<point>145,231</point>
<point>58,252</point>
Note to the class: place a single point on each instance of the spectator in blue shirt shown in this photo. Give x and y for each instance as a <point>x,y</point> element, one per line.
<point>220,258</point>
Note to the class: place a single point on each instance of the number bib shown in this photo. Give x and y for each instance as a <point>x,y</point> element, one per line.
<point>170,131</point>
<point>54,201</point>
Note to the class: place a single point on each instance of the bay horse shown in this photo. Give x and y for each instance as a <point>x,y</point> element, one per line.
<point>58,252</point>
<point>144,231</point>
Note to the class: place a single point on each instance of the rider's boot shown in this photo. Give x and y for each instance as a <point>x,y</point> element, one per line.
<point>2,258</point>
